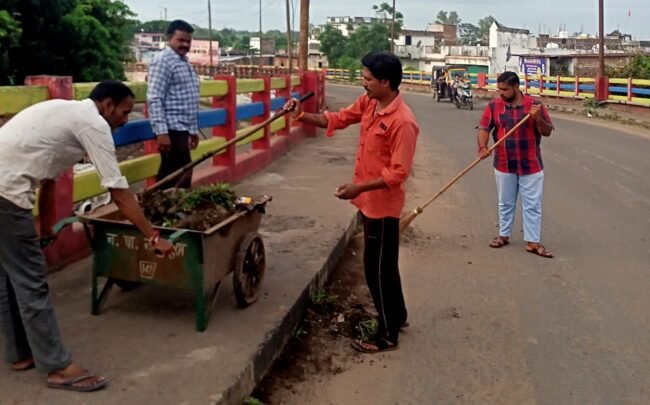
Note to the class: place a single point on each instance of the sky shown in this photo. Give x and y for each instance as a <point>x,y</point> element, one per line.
<point>529,14</point>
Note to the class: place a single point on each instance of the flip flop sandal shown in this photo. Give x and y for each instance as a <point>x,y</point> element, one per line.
<point>70,384</point>
<point>499,242</point>
<point>540,251</point>
<point>24,367</point>
<point>381,346</point>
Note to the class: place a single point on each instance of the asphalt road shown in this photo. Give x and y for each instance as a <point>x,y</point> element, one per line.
<point>503,326</point>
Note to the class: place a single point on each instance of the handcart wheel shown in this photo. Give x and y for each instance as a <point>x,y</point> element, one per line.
<point>249,269</point>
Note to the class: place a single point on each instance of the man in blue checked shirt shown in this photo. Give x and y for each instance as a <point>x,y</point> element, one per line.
<point>173,98</point>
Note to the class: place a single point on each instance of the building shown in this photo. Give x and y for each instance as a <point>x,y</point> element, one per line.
<point>644,46</point>
<point>150,40</point>
<point>613,41</point>
<point>506,42</point>
<point>564,62</point>
<point>435,48</point>
<point>347,25</point>
<point>200,52</point>
<point>475,58</point>
<point>268,45</point>
<point>146,45</point>
<point>446,34</point>
<point>413,45</point>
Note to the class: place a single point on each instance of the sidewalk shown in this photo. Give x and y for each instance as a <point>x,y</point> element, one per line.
<point>144,341</point>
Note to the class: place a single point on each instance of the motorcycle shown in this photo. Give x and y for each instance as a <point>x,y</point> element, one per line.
<point>463,96</point>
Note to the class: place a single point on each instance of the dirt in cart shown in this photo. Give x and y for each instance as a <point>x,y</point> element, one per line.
<point>197,209</point>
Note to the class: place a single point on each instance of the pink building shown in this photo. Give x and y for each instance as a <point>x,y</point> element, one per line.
<point>200,52</point>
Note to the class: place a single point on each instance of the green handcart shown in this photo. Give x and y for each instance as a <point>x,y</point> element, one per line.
<point>198,263</point>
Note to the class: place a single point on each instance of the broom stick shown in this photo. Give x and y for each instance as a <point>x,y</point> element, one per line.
<point>407,219</point>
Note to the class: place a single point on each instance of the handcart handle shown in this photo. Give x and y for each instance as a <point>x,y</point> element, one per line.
<point>56,229</point>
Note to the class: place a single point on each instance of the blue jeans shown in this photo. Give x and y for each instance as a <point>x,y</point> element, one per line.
<point>531,188</point>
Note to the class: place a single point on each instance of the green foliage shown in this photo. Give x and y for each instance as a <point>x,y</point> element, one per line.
<point>484,25</point>
<point>219,193</point>
<point>367,328</point>
<point>86,39</point>
<point>252,401</point>
<point>10,32</point>
<point>450,17</point>
<point>368,38</point>
<point>384,12</point>
<point>332,43</point>
<point>320,297</point>
<point>469,34</point>
<point>638,68</point>
<point>346,53</point>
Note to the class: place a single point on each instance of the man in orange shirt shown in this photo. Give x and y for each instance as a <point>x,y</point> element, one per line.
<point>384,158</point>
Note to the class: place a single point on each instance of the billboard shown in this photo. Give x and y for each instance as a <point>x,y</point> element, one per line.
<point>532,66</point>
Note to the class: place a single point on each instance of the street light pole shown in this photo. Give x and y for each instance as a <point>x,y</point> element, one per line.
<point>601,46</point>
<point>210,34</point>
<point>392,30</point>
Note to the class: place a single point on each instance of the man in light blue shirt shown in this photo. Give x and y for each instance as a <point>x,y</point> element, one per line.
<point>173,99</point>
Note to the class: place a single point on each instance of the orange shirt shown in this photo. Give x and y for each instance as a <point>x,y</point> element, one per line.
<point>386,148</point>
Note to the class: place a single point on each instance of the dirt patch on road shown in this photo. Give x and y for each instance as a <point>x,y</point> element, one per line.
<point>319,345</point>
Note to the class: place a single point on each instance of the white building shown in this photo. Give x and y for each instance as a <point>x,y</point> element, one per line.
<point>506,42</point>
<point>347,25</point>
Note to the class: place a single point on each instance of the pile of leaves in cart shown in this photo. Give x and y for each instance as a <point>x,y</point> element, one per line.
<point>198,209</point>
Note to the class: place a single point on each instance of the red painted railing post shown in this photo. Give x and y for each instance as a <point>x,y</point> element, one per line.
<point>286,93</point>
<point>577,87</point>
<point>629,89</point>
<point>602,88</point>
<point>265,98</point>
<point>482,80</point>
<point>310,83</point>
<point>228,130</point>
<point>559,86</point>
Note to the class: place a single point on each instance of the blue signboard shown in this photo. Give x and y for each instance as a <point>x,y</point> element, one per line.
<point>532,66</point>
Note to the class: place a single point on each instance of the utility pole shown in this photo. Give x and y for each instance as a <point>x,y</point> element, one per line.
<point>289,34</point>
<point>601,46</point>
<point>304,36</point>
<point>210,34</point>
<point>392,30</point>
<point>260,60</point>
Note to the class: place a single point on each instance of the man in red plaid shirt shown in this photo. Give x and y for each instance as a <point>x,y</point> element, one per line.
<point>518,165</point>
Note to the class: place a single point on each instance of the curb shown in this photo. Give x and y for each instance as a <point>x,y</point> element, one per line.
<point>276,339</point>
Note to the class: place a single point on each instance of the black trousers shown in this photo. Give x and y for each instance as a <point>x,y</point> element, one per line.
<point>177,157</point>
<point>380,262</point>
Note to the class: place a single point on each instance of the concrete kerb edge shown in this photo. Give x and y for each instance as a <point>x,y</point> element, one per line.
<point>276,339</point>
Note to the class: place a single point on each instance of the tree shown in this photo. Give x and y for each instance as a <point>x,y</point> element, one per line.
<point>384,12</point>
<point>10,32</point>
<point>638,68</point>
<point>332,43</point>
<point>86,39</point>
<point>368,38</point>
<point>450,17</point>
<point>484,25</point>
<point>469,34</point>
